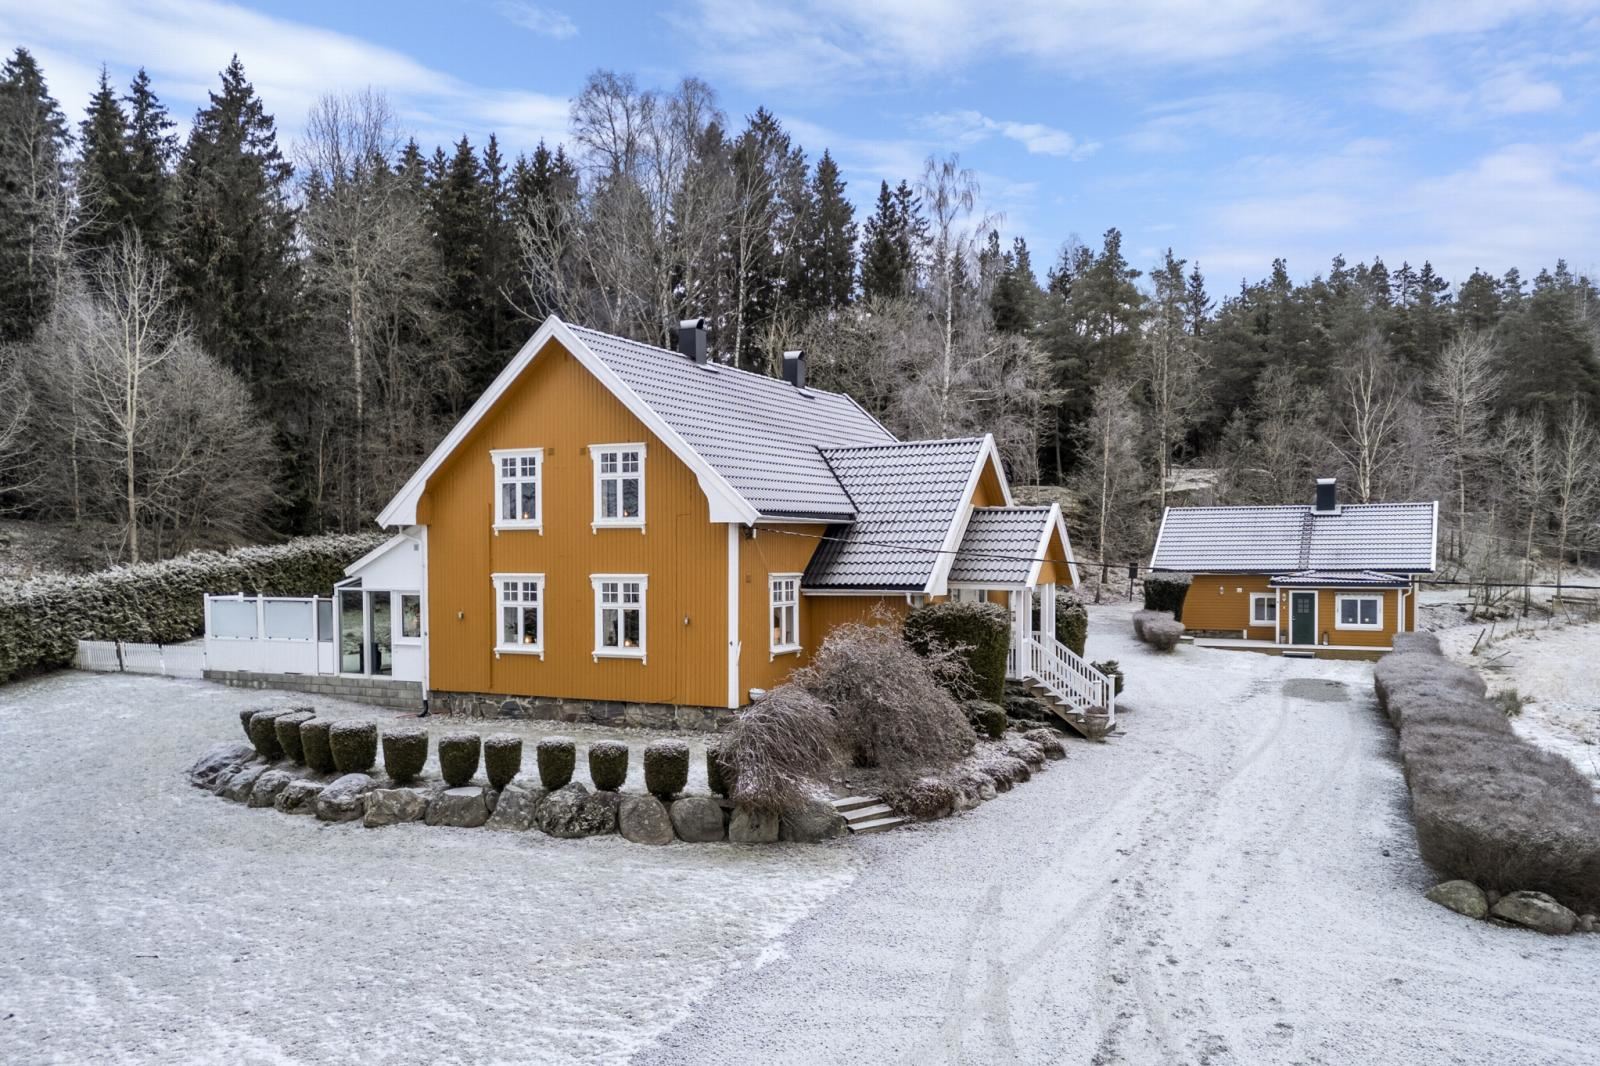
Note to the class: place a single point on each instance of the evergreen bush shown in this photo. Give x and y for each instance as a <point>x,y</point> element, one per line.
<point>244,719</point>
<point>502,758</point>
<point>42,620</point>
<point>1163,634</point>
<point>355,746</point>
<point>287,727</point>
<point>719,771</point>
<point>1112,669</point>
<point>1072,621</point>
<point>405,752</point>
<point>1143,618</point>
<point>666,768</point>
<point>316,745</point>
<point>983,633</point>
<point>264,734</point>
<point>608,764</point>
<point>987,718</point>
<point>1164,590</point>
<point>458,757</point>
<point>557,758</point>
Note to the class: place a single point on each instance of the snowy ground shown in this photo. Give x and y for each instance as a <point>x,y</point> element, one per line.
<point>1551,662</point>
<point>1233,879</point>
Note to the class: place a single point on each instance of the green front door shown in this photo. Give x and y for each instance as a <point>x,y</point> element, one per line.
<point>1302,617</point>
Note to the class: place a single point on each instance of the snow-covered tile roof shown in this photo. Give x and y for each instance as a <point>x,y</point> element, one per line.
<point>1396,537</point>
<point>1341,578</point>
<point>906,497</point>
<point>763,435</point>
<point>1000,544</point>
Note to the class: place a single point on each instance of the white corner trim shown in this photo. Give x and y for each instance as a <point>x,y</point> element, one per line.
<point>725,502</point>
<point>733,569</point>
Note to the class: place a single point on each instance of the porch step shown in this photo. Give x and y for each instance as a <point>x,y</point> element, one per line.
<point>867,814</point>
<point>1092,723</point>
<point>878,825</point>
<point>851,803</point>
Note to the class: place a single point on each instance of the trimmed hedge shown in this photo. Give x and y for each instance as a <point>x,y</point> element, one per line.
<point>1143,618</point>
<point>1072,621</point>
<point>287,727</point>
<point>315,744</point>
<point>405,753</point>
<point>557,758</point>
<point>458,757</point>
<point>355,746</point>
<point>666,768</point>
<point>1489,807</point>
<point>1165,590</point>
<point>245,715</point>
<point>719,771</point>
<point>1163,634</point>
<point>608,764</point>
<point>502,758</point>
<point>982,629</point>
<point>42,620</point>
<point>264,733</point>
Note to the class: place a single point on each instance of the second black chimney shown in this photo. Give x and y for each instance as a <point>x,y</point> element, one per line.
<point>794,368</point>
<point>692,338</point>
<point>1327,495</point>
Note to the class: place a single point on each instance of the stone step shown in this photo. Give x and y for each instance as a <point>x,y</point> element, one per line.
<point>851,803</point>
<point>878,825</point>
<point>867,814</point>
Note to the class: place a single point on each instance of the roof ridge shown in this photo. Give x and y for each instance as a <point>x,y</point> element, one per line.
<point>904,444</point>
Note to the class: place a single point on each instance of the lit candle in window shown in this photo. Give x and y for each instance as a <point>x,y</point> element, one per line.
<point>527,638</point>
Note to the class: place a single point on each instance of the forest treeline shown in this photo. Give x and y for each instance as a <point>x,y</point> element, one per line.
<point>226,337</point>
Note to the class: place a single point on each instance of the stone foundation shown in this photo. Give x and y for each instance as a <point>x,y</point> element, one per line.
<point>380,692</point>
<point>591,712</point>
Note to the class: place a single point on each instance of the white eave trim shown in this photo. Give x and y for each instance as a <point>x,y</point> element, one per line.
<point>1155,553</point>
<point>408,535</point>
<point>726,504</point>
<point>939,579</point>
<point>1054,522</point>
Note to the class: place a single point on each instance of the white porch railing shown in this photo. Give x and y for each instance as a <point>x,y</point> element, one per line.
<point>1069,677</point>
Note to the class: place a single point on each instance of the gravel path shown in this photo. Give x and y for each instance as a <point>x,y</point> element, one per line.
<point>1233,879</point>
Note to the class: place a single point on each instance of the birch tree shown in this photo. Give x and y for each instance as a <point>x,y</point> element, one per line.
<point>1370,409</point>
<point>1530,475</point>
<point>1575,482</point>
<point>1462,390</point>
<point>1172,370</point>
<point>949,195</point>
<point>1110,480</point>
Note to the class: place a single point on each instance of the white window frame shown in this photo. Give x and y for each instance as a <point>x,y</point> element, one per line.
<point>517,455</point>
<point>400,617</point>
<point>1338,611</point>
<point>500,605</point>
<point>598,582</point>
<point>775,583</point>
<point>1256,622</point>
<point>596,451</point>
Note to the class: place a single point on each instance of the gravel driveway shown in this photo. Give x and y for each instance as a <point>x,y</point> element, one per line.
<point>1233,879</point>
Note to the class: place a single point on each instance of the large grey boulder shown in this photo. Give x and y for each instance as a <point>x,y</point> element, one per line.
<point>1048,741</point>
<point>391,806</point>
<point>464,808</point>
<point>268,786</point>
<point>811,822</point>
<point>513,811</point>
<point>222,758</point>
<point>299,797</point>
<point>750,826</point>
<point>1535,910</point>
<point>237,785</point>
<point>1463,897</point>
<point>698,819</point>
<point>598,813</point>
<point>345,799</point>
<point>558,813</point>
<point>644,820</point>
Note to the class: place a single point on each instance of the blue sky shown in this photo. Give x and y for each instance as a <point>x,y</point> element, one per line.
<point>1233,130</point>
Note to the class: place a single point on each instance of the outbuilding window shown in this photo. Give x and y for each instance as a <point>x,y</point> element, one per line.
<point>1263,608</point>
<point>619,630</point>
<point>1360,612</point>
<point>618,484</point>
<point>521,612</point>
<point>785,602</point>
<point>410,616</point>
<point>518,495</point>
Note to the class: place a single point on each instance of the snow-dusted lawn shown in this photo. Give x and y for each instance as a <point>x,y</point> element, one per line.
<point>1233,879</point>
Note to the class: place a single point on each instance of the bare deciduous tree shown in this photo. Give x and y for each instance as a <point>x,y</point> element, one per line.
<point>1526,456</point>
<point>1172,371</point>
<point>1576,479</point>
<point>1369,417</point>
<point>1462,389</point>
<point>1110,480</point>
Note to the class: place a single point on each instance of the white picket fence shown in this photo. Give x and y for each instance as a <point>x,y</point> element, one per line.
<point>166,660</point>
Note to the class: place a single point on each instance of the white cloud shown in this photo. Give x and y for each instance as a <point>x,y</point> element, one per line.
<point>1514,92</point>
<point>972,127</point>
<point>540,20</point>
<point>1193,121</point>
<point>185,43</point>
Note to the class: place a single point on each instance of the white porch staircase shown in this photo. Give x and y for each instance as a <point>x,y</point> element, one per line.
<point>1079,694</point>
<point>868,814</point>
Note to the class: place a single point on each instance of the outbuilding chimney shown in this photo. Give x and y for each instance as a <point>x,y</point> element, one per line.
<point>1327,496</point>
<point>794,368</point>
<point>692,339</point>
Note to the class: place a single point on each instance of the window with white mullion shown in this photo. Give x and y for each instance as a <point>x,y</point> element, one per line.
<point>1359,612</point>
<point>1263,608</point>
<point>521,611</point>
<point>618,484</point>
<point>518,495</point>
<point>785,602</point>
<point>619,624</point>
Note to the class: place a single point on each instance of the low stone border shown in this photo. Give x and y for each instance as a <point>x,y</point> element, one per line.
<point>237,772</point>
<point>994,767</point>
<point>587,712</point>
<point>1530,910</point>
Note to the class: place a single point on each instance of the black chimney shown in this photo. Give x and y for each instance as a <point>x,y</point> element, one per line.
<point>794,368</point>
<point>692,338</point>
<point>1327,496</point>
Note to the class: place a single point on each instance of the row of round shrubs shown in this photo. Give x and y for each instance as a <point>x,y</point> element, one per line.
<point>351,747</point>
<point>1157,629</point>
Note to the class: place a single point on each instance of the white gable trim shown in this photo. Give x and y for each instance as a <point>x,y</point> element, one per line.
<point>1155,553</point>
<point>1054,522</point>
<point>407,536</point>
<point>726,504</point>
<point>939,579</point>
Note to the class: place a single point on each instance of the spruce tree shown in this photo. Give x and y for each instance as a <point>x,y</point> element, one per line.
<point>890,240</point>
<point>33,195</point>
<point>151,147</point>
<point>460,205</point>
<point>105,200</point>
<point>1197,305</point>
<point>825,268</point>
<point>1015,301</point>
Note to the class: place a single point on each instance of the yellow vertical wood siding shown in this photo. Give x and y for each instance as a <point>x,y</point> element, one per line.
<point>559,406</point>
<point>784,549</point>
<point>1222,602</point>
